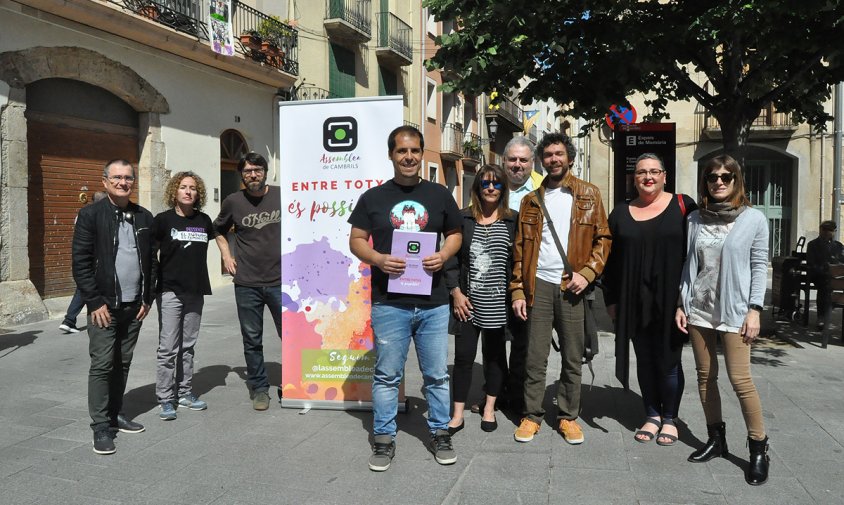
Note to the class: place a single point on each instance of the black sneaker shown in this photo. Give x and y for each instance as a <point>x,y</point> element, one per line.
<point>442,448</point>
<point>383,451</point>
<point>126,426</point>
<point>68,327</point>
<point>103,444</point>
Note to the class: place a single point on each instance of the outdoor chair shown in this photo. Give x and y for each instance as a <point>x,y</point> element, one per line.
<point>836,299</point>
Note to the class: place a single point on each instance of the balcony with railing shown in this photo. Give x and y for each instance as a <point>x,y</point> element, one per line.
<point>394,40</point>
<point>348,20</point>
<point>506,112</point>
<point>190,17</point>
<point>471,148</point>
<point>306,93</point>
<point>451,143</point>
<point>184,16</point>
<point>265,38</point>
<point>770,124</point>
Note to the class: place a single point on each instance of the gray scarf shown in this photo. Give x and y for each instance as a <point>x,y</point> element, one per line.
<point>720,212</point>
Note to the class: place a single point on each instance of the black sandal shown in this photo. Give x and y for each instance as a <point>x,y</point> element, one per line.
<point>672,439</point>
<point>647,434</point>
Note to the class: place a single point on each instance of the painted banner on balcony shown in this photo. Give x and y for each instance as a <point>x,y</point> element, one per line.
<point>330,151</point>
<point>220,23</point>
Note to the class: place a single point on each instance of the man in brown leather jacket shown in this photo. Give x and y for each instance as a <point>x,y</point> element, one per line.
<point>543,293</point>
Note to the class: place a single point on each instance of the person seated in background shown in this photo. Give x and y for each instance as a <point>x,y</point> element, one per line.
<point>820,253</point>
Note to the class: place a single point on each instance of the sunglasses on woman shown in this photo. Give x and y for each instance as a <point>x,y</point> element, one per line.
<point>495,185</point>
<point>725,178</point>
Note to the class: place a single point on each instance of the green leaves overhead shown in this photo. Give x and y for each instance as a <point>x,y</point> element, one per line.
<point>733,57</point>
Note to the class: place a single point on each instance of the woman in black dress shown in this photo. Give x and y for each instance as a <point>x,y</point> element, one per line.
<point>477,277</point>
<point>641,281</point>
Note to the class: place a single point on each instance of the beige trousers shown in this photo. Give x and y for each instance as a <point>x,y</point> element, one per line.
<point>737,359</point>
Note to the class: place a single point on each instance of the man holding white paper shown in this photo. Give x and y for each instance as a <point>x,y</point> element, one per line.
<point>409,203</point>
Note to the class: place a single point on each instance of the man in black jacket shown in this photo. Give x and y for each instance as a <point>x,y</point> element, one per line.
<point>112,267</point>
<point>820,253</point>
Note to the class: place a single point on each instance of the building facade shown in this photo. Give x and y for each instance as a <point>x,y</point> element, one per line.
<point>86,81</point>
<point>788,167</point>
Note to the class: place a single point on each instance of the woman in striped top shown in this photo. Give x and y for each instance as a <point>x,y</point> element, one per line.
<point>477,277</point>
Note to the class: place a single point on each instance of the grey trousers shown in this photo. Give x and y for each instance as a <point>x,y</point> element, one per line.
<point>563,312</point>
<point>178,330</point>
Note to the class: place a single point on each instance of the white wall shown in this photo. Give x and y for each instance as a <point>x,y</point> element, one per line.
<point>203,101</point>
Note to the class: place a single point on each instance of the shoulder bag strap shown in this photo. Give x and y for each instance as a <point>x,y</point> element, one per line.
<point>566,264</point>
<point>682,204</point>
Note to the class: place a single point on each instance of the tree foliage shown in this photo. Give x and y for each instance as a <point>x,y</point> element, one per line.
<point>733,57</point>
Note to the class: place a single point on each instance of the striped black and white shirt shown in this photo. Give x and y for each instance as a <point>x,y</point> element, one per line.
<point>488,275</point>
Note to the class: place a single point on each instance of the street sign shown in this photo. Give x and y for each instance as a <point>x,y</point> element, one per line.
<point>621,115</point>
<point>630,141</point>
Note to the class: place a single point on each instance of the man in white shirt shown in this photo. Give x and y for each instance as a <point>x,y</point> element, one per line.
<point>547,293</point>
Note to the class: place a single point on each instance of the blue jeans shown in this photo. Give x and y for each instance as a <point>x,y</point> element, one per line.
<point>74,308</point>
<point>393,326</point>
<point>250,310</point>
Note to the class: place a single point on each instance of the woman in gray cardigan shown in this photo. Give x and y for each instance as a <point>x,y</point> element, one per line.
<point>721,293</point>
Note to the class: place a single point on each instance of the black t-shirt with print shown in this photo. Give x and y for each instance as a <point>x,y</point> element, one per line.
<point>425,207</point>
<point>257,227</point>
<point>183,247</point>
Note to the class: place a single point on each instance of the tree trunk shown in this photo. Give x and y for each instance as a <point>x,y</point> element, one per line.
<point>735,130</point>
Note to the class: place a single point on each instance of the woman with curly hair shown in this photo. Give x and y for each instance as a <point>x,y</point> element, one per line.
<point>181,236</point>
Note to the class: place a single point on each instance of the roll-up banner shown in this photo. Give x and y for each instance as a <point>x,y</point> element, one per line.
<point>330,152</point>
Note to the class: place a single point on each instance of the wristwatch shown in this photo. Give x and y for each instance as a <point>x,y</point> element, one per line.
<point>757,308</point>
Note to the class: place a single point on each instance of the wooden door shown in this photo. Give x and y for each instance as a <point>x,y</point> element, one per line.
<point>65,162</point>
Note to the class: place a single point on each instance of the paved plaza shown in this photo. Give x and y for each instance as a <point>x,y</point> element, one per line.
<point>231,454</point>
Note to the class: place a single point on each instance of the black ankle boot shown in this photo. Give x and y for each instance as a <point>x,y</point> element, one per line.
<point>757,469</point>
<point>715,446</point>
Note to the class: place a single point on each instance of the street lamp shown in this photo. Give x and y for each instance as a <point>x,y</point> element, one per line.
<point>492,126</point>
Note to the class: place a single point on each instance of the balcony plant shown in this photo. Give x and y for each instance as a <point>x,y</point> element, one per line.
<point>270,49</point>
<point>276,32</point>
<point>251,39</point>
<point>145,8</point>
<point>471,147</point>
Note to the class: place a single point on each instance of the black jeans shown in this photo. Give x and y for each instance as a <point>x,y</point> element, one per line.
<point>111,351</point>
<point>515,383</point>
<point>494,359</point>
<point>661,389</point>
<point>821,282</point>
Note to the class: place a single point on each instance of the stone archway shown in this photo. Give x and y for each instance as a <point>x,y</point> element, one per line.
<point>19,299</point>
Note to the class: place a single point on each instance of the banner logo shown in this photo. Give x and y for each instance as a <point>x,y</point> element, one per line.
<point>340,134</point>
<point>413,247</point>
